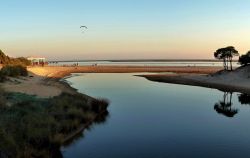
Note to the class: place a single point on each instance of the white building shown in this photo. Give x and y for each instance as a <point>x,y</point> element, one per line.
<point>37,60</point>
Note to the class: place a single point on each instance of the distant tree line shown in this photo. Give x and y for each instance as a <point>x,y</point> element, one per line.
<point>226,54</point>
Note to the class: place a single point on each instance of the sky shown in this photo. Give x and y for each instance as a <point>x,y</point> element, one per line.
<point>123,29</point>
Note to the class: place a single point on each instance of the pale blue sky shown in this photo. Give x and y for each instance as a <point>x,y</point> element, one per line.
<point>120,29</point>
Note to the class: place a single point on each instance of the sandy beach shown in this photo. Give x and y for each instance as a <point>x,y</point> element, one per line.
<point>230,81</point>
<point>60,71</point>
<point>43,81</point>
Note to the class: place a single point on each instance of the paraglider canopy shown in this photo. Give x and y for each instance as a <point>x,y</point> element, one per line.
<point>84,27</point>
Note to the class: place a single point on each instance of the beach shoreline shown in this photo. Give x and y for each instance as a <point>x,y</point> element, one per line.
<point>62,71</point>
<point>227,81</point>
<point>46,82</point>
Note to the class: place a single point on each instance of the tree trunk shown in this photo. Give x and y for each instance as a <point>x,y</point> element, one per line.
<point>224,64</point>
<point>231,63</point>
<point>231,98</point>
<point>224,97</point>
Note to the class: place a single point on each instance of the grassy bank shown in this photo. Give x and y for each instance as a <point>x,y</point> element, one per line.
<point>33,127</point>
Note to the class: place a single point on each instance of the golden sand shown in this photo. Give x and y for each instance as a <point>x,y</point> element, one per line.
<point>39,82</point>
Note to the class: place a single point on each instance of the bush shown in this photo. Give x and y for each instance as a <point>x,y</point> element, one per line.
<point>4,59</point>
<point>2,77</point>
<point>245,59</point>
<point>99,105</point>
<point>14,71</point>
<point>34,127</point>
<point>22,61</point>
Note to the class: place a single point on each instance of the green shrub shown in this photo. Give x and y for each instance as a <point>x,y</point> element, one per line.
<point>245,59</point>
<point>99,105</point>
<point>4,59</point>
<point>22,61</point>
<point>2,76</point>
<point>14,71</point>
<point>33,127</point>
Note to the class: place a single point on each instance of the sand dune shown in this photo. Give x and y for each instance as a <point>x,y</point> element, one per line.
<point>31,85</point>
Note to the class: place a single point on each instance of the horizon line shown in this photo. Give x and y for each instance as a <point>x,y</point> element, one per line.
<point>142,60</point>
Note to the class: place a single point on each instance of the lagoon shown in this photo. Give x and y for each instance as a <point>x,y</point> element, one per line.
<point>154,120</point>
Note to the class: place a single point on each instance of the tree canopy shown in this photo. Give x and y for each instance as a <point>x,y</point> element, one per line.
<point>245,59</point>
<point>226,54</point>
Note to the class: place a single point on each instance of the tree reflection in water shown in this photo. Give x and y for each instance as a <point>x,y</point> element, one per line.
<point>244,99</point>
<point>224,106</point>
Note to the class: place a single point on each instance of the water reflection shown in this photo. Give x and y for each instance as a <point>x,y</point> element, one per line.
<point>244,99</point>
<point>100,119</point>
<point>151,119</point>
<point>225,105</point>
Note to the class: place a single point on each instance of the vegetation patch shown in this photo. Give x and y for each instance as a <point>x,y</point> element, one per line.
<point>245,59</point>
<point>6,60</point>
<point>13,67</point>
<point>34,127</point>
<point>14,70</point>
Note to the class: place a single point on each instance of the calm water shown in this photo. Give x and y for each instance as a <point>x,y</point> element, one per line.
<point>158,120</point>
<point>167,63</point>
